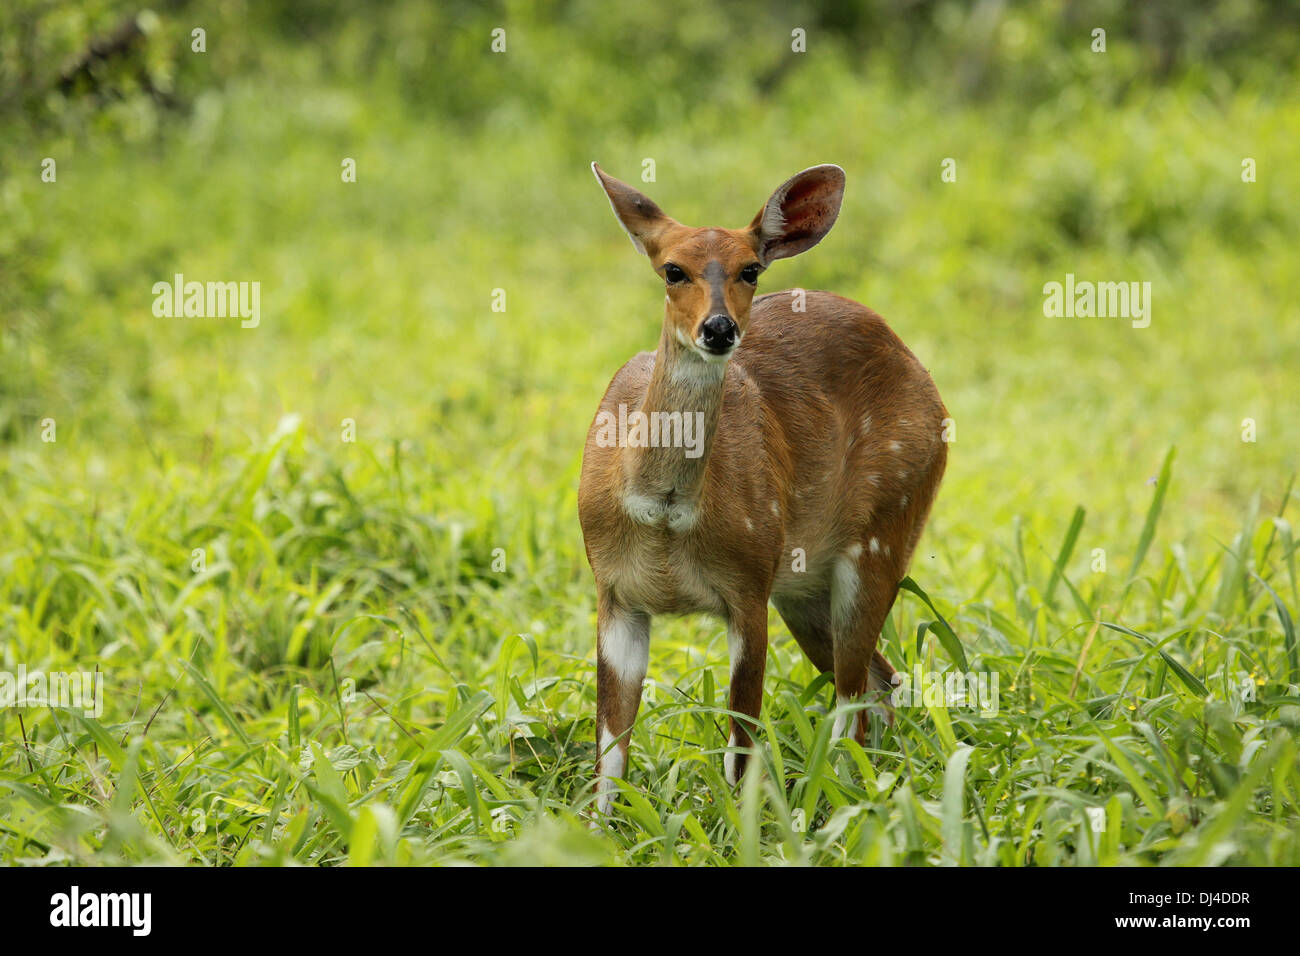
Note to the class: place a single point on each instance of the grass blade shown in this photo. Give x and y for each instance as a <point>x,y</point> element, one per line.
<point>1288,631</point>
<point>954,787</point>
<point>947,636</point>
<point>1153,516</point>
<point>1187,677</point>
<point>1063,556</point>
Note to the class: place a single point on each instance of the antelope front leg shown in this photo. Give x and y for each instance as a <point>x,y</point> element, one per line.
<point>747,643</point>
<point>622,655</point>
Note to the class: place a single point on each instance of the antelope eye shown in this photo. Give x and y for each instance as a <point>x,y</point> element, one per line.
<point>749,274</point>
<point>674,273</point>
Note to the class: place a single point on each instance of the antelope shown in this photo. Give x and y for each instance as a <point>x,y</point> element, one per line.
<point>820,455</point>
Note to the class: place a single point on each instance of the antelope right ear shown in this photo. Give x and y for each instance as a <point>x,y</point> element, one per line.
<point>643,220</point>
<point>799,214</point>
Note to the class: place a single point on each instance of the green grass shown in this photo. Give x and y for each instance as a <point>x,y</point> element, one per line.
<point>353,716</point>
<point>352,677</point>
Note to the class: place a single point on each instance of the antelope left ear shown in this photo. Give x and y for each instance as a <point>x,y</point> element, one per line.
<point>799,214</point>
<point>641,218</point>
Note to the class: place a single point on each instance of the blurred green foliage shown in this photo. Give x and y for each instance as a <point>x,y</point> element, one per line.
<point>594,66</point>
<point>372,559</point>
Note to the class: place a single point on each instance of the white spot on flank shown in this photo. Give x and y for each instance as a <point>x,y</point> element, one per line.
<point>776,509</point>
<point>625,644</point>
<point>749,524</point>
<point>854,552</point>
<point>904,501</point>
<point>895,446</point>
<point>874,479</point>
<point>903,474</point>
<point>875,545</point>
<point>904,421</point>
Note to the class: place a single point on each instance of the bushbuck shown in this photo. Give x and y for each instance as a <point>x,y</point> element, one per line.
<point>819,449</point>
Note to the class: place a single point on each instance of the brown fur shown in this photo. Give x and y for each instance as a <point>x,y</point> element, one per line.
<point>823,433</point>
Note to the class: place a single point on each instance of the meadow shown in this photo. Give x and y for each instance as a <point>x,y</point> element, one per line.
<point>329,568</point>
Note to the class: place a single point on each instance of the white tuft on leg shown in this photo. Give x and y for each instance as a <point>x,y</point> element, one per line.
<point>625,645</point>
<point>735,647</point>
<point>841,718</point>
<point>610,766</point>
<point>729,761</point>
<point>736,653</point>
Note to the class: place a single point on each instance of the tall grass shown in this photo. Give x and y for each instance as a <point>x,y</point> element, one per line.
<point>348,681</point>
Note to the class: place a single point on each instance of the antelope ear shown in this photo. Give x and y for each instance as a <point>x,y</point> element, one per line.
<point>643,220</point>
<point>799,214</point>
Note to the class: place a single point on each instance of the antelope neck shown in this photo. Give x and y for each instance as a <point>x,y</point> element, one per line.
<point>683,383</point>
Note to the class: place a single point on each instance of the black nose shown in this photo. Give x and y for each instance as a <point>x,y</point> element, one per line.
<point>719,333</point>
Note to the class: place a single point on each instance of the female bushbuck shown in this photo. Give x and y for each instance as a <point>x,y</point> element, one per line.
<point>817,456</point>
